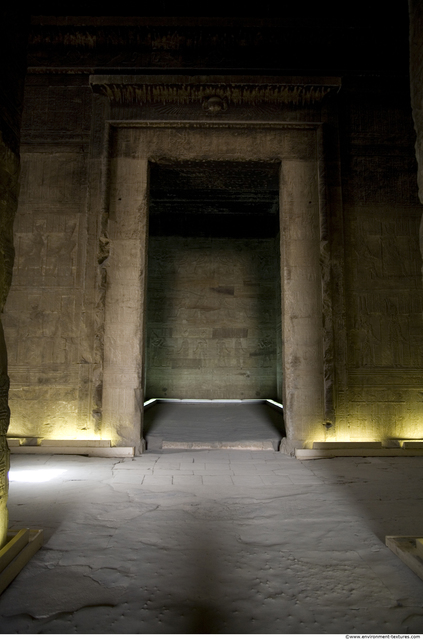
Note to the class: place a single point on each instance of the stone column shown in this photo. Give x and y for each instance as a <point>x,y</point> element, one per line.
<point>9,189</point>
<point>14,25</point>
<point>416,90</point>
<point>301,302</point>
<point>4,449</point>
<point>416,86</point>
<point>123,382</point>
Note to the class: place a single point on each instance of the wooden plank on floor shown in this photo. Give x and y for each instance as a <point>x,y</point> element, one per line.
<point>405,548</point>
<point>419,547</point>
<point>13,547</point>
<point>17,564</point>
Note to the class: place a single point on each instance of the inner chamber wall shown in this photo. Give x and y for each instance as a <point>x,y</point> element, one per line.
<point>213,296</point>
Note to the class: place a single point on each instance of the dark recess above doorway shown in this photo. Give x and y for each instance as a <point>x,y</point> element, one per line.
<point>214,199</point>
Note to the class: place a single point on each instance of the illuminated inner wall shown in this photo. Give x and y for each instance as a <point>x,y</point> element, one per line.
<point>212,318</point>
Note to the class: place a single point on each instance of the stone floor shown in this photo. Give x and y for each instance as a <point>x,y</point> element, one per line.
<point>215,541</point>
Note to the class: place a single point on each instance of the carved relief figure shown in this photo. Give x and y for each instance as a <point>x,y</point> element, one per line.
<point>239,353</point>
<point>222,352</point>
<point>394,260</point>
<point>33,250</point>
<point>157,344</point>
<point>265,350</point>
<point>60,250</point>
<point>183,350</point>
<point>396,339</point>
<point>201,350</point>
<point>368,259</point>
<point>367,342</point>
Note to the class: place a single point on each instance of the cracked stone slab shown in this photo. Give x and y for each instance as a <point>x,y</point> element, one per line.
<point>56,591</point>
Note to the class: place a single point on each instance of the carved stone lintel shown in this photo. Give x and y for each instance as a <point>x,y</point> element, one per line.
<point>213,94</point>
<point>214,105</point>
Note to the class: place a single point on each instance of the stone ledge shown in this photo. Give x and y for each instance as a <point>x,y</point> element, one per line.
<point>43,442</point>
<point>75,443</point>
<point>347,445</point>
<point>316,454</point>
<point>99,452</point>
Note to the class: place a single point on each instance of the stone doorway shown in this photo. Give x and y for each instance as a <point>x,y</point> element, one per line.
<point>213,303</point>
<point>134,150</point>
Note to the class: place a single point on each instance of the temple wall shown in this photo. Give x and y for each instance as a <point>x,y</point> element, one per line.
<point>383,265</point>
<point>48,324</point>
<point>352,267</point>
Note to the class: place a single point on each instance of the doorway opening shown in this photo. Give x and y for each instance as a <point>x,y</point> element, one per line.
<point>213,293</point>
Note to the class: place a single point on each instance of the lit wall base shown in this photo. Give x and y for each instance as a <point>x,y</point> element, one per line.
<point>97,448</point>
<point>19,549</point>
<point>409,549</point>
<point>349,449</point>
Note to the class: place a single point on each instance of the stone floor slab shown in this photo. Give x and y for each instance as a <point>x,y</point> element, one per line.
<point>259,552</point>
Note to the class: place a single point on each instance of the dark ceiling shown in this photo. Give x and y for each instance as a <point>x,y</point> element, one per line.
<point>214,199</point>
<point>291,37</point>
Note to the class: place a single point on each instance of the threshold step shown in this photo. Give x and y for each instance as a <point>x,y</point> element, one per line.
<point>155,443</point>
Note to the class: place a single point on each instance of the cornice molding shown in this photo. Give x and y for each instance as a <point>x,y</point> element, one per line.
<point>215,93</point>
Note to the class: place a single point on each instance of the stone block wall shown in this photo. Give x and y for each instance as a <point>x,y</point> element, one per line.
<point>213,313</point>
<point>48,324</point>
<point>383,263</point>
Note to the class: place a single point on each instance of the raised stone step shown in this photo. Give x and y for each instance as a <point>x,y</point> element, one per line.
<point>244,445</point>
<point>412,444</point>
